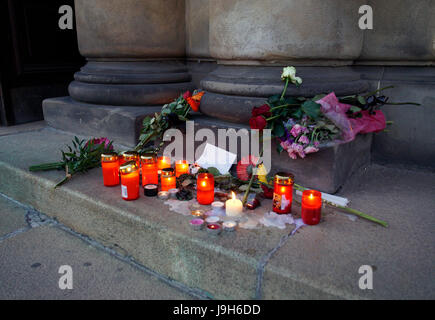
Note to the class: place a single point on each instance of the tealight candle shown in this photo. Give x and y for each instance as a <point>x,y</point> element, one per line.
<point>150,190</point>
<point>197,213</point>
<point>233,207</point>
<point>311,207</point>
<point>163,163</point>
<point>229,225</point>
<point>181,167</point>
<point>197,224</point>
<point>214,228</point>
<point>163,195</point>
<point>149,169</point>
<point>173,193</point>
<point>110,167</point>
<point>167,179</point>
<point>205,188</point>
<point>212,219</point>
<point>218,208</point>
<point>129,180</point>
<point>283,193</point>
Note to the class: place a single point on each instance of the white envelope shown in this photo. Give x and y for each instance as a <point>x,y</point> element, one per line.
<point>218,158</point>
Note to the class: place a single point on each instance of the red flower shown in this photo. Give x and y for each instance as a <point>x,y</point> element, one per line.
<point>264,110</point>
<point>195,101</point>
<point>245,167</point>
<point>186,95</point>
<point>267,192</point>
<point>258,122</point>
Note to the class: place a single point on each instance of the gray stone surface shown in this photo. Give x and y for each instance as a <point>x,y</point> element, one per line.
<point>30,270</point>
<point>12,217</point>
<point>328,256</point>
<point>197,28</point>
<point>403,33</point>
<point>121,124</point>
<point>410,139</point>
<point>315,262</point>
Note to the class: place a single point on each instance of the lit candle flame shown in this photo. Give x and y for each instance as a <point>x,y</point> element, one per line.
<point>233,195</point>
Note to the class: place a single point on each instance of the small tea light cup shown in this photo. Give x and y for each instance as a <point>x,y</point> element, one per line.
<point>173,193</point>
<point>229,225</point>
<point>218,207</point>
<point>212,219</point>
<point>150,190</point>
<point>197,224</point>
<point>163,195</point>
<point>197,213</point>
<point>214,228</point>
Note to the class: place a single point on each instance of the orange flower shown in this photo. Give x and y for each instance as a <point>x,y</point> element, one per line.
<point>195,101</point>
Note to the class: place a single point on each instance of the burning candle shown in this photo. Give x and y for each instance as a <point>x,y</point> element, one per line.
<point>149,169</point>
<point>129,180</point>
<point>163,163</point>
<point>197,213</point>
<point>130,156</point>
<point>283,193</point>
<point>233,207</point>
<point>181,167</point>
<point>311,207</point>
<point>197,224</point>
<point>163,195</point>
<point>205,188</point>
<point>229,225</point>
<point>214,228</point>
<point>110,166</point>
<point>168,179</point>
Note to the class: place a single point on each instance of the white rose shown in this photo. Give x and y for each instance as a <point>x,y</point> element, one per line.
<point>288,72</point>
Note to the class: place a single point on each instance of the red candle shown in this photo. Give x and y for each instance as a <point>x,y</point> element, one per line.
<point>149,169</point>
<point>283,193</point>
<point>181,167</point>
<point>129,180</point>
<point>110,166</point>
<point>311,207</point>
<point>163,163</point>
<point>168,180</point>
<point>129,156</point>
<point>205,188</point>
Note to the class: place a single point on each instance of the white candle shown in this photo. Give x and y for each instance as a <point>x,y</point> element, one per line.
<point>233,207</point>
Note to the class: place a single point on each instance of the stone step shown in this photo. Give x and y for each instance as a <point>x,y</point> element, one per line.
<point>315,262</point>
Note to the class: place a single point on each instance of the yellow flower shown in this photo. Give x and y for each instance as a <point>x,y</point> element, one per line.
<point>262,173</point>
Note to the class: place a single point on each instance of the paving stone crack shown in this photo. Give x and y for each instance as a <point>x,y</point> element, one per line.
<point>36,219</point>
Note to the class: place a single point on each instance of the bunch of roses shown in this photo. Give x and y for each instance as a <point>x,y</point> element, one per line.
<point>193,100</point>
<point>259,117</point>
<point>297,141</point>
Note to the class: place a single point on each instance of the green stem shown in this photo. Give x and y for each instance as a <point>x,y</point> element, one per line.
<point>403,103</point>
<point>47,166</point>
<point>62,182</point>
<point>284,106</point>
<point>274,117</point>
<point>285,89</point>
<point>245,197</point>
<point>376,91</point>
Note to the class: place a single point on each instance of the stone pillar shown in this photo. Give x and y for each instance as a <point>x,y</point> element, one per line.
<point>135,51</point>
<point>253,39</point>
<point>400,52</point>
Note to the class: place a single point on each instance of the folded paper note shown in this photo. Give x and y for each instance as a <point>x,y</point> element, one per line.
<point>217,158</point>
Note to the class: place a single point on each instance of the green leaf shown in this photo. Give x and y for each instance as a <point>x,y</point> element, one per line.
<point>213,171</point>
<point>361,100</point>
<point>298,113</point>
<point>318,97</point>
<point>274,99</point>
<point>278,131</point>
<point>311,108</point>
<point>279,148</point>
<point>355,109</point>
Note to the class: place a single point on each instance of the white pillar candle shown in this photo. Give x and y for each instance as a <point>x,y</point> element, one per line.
<point>233,207</point>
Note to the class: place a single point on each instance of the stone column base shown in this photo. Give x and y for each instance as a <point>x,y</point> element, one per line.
<point>232,91</point>
<point>130,83</point>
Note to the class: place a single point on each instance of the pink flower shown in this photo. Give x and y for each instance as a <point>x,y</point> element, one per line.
<point>99,141</point>
<point>316,144</point>
<point>304,140</point>
<point>292,154</point>
<point>299,149</point>
<point>186,95</point>
<point>296,130</point>
<point>310,149</point>
<point>285,145</point>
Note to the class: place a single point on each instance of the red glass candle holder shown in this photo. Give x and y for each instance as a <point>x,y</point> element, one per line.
<point>283,193</point>
<point>311,207</point>
<point>149,169</point>
<point>110,167</point>
<point>129,156</point>
<point>163,163</point>
<point>181,167</point>
<point>205,188</point>
<point>168,180</point>
<point>129,180</point>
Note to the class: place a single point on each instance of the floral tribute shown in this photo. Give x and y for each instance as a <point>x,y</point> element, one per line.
<point>303,125</point>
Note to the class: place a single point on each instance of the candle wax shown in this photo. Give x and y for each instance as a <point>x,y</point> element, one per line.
<point>130,185</point>
<point>168,183</point>
<point>205,188</point>
<point>311,207</point>
<point>233,207</point>
<point>181,167</point>
<point>149,174</point>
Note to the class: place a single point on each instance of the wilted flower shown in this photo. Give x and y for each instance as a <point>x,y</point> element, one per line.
<point>304,140</point>
<point>310,149</point>
<point>296,130</point>
<point>98,141</point>
<point>290,74</point>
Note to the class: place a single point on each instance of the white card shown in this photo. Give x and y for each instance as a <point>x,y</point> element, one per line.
<point>216,157</point>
